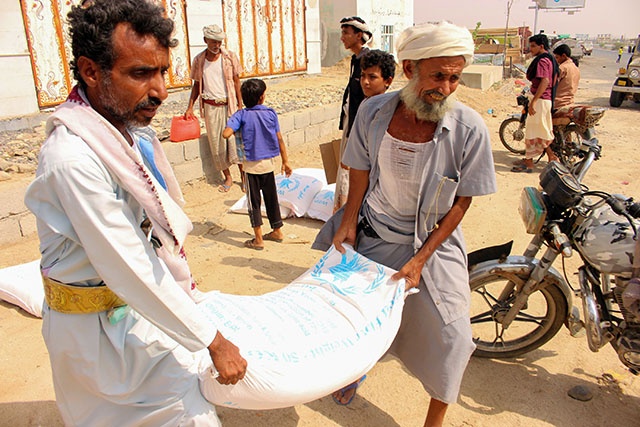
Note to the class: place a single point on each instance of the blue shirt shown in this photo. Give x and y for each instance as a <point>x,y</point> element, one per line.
<point>259,126</point>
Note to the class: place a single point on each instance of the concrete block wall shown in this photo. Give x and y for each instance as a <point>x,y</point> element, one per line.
<point>191,160</point>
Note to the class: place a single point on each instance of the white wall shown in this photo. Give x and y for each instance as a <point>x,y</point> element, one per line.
<point>331,11</point>
<point>314,36</point>
<point>201,13</point>
<point>398,13</point>
<point>376,13</point>
<point>17,88</point>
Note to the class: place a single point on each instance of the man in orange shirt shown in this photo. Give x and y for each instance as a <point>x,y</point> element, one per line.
<point>569,77</point>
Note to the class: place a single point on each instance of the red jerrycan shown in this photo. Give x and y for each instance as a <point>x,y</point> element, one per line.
<point>183,129</point>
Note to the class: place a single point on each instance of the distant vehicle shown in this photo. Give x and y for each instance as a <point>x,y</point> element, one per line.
<point>627,84</point>
<point>587,47</point>
<point>576,49</point>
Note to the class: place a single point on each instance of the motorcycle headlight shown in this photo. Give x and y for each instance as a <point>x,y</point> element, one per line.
<point>634,74</point>
<point>532,209</point>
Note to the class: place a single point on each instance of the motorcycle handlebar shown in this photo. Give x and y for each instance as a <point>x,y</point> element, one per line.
<point>634,210</point>
<point>624,207</point>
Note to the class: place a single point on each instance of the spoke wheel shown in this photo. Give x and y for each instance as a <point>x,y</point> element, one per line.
<point>570,152</point>
<point>536,324</point>
<point>512,135</point>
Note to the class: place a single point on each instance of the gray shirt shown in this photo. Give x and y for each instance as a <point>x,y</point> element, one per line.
<point>461,164</point>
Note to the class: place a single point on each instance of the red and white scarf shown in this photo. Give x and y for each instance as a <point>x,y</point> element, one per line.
<point>163,208</point>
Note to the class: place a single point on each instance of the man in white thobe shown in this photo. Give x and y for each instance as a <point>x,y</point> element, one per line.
<point>125,340</point>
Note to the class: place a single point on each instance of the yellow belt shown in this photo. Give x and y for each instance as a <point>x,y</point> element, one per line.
<point>70,299</point>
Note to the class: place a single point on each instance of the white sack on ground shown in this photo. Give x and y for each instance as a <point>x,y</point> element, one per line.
<point>322,206</point>
<point>316,335</point>
<point>242,207</point>
<point>21,285</point>
<point>295,193</point>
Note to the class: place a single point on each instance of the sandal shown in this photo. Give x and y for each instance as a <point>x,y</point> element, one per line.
<point>224,188</point>
<point>251,244</point>
<point>353,386</point>
<point>270,237</point>
<point>521,168</point>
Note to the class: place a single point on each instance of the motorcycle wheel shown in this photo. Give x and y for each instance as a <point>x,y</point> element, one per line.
<point>536,324</point>
<point>512,135</point>
<point>570,152</point>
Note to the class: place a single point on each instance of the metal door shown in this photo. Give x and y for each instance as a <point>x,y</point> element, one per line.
<point>269,36</point>
<point>50,47</point>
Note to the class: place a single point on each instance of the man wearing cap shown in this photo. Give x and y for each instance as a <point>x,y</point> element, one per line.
<point>216,80</point>
<point>416,159</point>
<point>354,35</point>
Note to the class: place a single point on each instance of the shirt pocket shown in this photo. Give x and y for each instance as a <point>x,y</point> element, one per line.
<point>440,196</point>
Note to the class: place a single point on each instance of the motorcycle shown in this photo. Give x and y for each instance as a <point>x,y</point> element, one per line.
<point>519,303</point>
<point>571,125</point>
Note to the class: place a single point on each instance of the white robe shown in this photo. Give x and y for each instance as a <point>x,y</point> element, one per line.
<point>143,369</point>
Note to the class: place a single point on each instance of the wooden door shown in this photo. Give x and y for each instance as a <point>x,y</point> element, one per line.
<point>269,36</point>
<point>50,47</point>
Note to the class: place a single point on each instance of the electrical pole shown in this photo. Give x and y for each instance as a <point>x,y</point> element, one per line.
<point>506,36</point>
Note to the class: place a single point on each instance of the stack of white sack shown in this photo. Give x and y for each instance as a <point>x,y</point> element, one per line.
<point>321,332</point>
<point>304,193</point>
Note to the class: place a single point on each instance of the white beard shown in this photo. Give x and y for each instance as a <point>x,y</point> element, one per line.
<point>422,109</point>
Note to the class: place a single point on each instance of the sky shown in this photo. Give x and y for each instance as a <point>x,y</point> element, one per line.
<point>615,17</point>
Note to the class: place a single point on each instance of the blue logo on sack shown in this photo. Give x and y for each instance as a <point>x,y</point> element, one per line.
<point>338,276</point>
<point>289,184</point>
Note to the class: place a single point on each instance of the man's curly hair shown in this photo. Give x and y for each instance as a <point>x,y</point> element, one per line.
<point>91,28</point>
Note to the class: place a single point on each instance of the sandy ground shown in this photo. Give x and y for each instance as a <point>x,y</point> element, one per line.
<point>529,391</point>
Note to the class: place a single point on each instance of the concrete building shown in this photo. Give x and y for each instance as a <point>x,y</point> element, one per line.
<point>278,37</point>
<point>386,20</point>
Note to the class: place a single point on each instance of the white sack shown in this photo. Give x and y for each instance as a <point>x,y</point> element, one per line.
<point>323,331</point>
<point>295,193</point>
<point>21,285</point>
<point>242,207</point>
<point>313,173</point>
<point>322,205</point>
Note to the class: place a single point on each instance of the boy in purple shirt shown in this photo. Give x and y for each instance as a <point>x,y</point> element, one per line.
<point>263,143</point>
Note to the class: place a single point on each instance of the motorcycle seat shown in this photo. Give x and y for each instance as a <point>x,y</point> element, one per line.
<point>560,121</point>
<point>570,113</point>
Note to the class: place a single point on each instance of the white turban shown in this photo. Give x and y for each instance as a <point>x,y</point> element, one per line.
<point>214,32</point>
<point>357,22</point>
<point>432,40</point>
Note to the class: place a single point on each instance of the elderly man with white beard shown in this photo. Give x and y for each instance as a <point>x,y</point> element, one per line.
<point>416,158</point>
